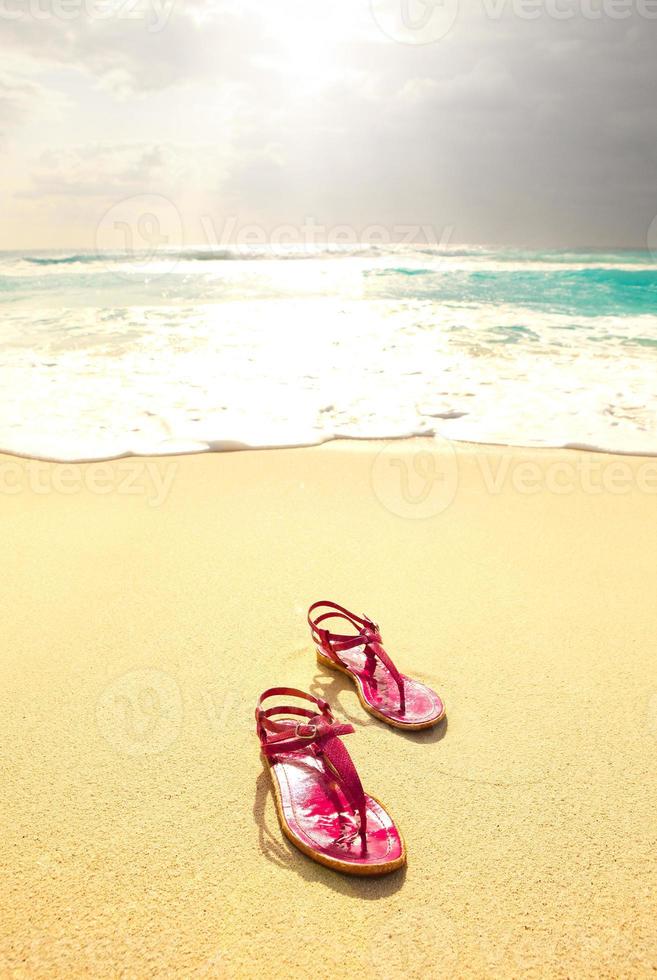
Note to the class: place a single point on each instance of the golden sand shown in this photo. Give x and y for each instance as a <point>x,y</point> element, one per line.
<point>147,603</point>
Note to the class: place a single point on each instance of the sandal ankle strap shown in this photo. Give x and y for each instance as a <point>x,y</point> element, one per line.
<point>264,716</point>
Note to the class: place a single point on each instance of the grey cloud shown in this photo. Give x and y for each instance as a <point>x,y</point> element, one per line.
<point>110,171</point>
<point>540,132</point>
<point>130,55</point>
<point>17,97</point>
<point>537,132</point>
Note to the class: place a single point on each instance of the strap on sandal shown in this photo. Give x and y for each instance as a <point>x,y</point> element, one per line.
<point>320,731</point>
<point>368,635</point>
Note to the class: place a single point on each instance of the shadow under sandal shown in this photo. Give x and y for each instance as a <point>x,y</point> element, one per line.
<point>394,698</point>
<point>320,801</point>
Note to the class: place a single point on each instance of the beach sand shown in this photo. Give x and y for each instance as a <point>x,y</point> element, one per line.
<point>147,603</point>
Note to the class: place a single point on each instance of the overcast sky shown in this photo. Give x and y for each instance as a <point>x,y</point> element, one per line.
<point>499,121</point>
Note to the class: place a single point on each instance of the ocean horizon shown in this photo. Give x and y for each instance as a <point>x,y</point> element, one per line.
<point>194,349</point>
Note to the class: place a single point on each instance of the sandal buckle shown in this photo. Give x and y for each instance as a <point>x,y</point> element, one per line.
<point>311,731</point>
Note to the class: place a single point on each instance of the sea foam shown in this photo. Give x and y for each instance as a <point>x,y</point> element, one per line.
<point>193,350</point>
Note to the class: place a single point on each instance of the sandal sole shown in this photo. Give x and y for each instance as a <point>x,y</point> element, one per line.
<point>361,870</point>
<point>422,726</point>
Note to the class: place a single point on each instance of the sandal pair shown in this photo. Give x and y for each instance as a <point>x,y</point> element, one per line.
<point>321,804</point>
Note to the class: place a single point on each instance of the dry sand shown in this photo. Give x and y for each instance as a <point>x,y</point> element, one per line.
<point>139,626</point>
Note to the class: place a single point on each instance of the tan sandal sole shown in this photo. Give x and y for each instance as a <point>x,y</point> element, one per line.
<point>325,662</point>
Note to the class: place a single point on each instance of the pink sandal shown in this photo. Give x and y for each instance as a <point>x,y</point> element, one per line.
<point>394,698</point>
<point>319,797</point>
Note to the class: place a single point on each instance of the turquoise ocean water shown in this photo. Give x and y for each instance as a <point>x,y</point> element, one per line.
<point>188,350</point>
